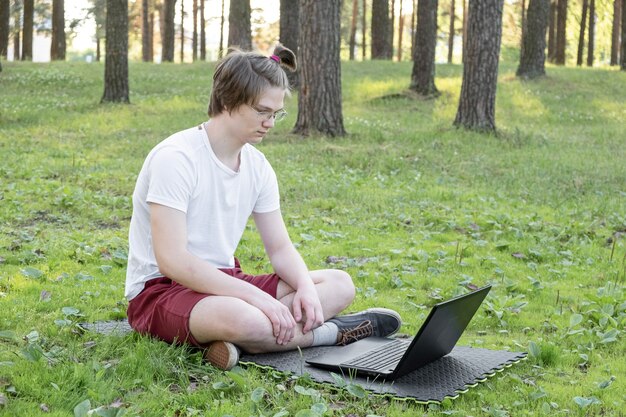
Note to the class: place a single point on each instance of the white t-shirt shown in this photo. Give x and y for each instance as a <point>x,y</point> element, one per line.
<point>183,173</point>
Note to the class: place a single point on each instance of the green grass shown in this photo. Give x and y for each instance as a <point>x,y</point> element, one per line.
<point>414,209</point>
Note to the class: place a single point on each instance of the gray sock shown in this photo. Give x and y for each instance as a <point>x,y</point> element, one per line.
<point>325,335</point>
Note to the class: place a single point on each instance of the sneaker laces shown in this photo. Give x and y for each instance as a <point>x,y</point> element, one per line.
<point>364,329</point>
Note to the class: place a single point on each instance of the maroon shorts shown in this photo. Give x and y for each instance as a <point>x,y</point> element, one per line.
<point>163,307</point>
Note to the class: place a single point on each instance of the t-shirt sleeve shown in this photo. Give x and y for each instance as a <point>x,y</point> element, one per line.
<point>269,197</point>
<point>171,179</point>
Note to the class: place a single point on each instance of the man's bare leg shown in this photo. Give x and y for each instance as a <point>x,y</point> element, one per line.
<point>227,318</point>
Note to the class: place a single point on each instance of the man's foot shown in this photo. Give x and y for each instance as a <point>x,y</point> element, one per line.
<point>379,322</point>
<point>222,355</point>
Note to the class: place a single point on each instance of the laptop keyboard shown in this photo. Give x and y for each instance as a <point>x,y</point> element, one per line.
<point>383,357</point>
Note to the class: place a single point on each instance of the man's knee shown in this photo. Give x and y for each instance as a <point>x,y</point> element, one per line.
<point>343,285</point>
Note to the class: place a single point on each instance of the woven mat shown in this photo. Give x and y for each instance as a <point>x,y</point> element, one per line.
<point>446,377</point>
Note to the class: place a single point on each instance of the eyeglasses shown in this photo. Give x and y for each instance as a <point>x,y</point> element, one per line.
<point>267,115</point>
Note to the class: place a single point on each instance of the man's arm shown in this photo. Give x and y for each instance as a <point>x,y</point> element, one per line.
<point>169,238</point>
<point>288,264</point>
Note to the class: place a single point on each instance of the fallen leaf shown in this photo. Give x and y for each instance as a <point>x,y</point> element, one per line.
<point>518,255</point>
<point>117,403</point>
<point>45,295</point>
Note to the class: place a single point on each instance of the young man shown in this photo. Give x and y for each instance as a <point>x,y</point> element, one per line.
<point>193,197</point>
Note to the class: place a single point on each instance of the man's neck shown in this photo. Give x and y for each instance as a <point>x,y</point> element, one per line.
<point>225,146</point>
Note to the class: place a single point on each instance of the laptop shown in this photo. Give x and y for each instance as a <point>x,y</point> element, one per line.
<point>390,358</point>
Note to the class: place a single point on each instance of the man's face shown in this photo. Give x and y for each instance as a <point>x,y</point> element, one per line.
<point>254,121</point>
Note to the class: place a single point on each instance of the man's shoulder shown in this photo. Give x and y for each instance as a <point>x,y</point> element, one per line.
<point>254,155</point>
<point>188,141</point>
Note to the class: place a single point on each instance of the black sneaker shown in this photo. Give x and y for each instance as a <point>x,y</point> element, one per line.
<point>379,322</point>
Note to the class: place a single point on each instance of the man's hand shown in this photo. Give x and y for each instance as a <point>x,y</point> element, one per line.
<point>307,301</point>
<point>283,323</point>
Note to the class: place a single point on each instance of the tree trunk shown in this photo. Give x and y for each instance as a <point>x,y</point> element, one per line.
<point>622,57</point>
<point>27,30</point>
<point>145,31</point>
<point>239,31</point>
<point>57,47</point>
<point>533,57</point>
<point>168,33</point>
<point>392,27</point>
<point>423,75</point>
<point>319,101</point>
<point>5,21</point>
<point>617,14</point>
<point>413,27</point>
<point>523,7</point>
<point>289,27</point>
<point>552,31</point>
<point>151,36</point>
<point>451,34</point>
<point>116,53</point>
<point>355,15</point>
<point>220,50</point>
<point>581,35</point>
<point>17,18</point>
<point>380,30</point>
<point>182,31</point>
<point>203,31</point>
<point>561,32</point>
<point>364,29</point>
<point>400,32</point>
<point>194,38</point>
<point>592,32</point>
<point>480,72</point>
<point>98,48</point>
<point>465,5</point>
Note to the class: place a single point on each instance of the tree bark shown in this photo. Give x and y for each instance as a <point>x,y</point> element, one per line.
<point>380,30</point>
<point>364,29</point>
<point>352,41</point>
<point>592,32</point>
<point>465,6</point>
<point>533,57</point>
<point>581,35</point>
<point>182,31</point>
<point>319,101</point>
<point>617,14</point>
<point>168,34</point>
<point>239,31</point>
<point>552,31</point>
<point>145,31</point>
<point>400,33</point>
<point>194,38</point>
<point>392,27</point>
<point>220,50</point>
<point>57,47</point>
<point>27,30</point>
<point>116,53</point>
<point>17,31</point>
<point>423,75</point>
<point>5,21</point>
<point>451,34</point>
<point>622,58</point>
<point>289,27</point>
<point>561,32</point>
<point>480,70</point>
<point>203,31</point>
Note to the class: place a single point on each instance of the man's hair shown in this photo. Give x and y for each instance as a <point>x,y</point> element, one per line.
<point>241,77</point>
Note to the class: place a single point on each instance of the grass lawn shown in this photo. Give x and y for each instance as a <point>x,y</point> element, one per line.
<point>414,209</point>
